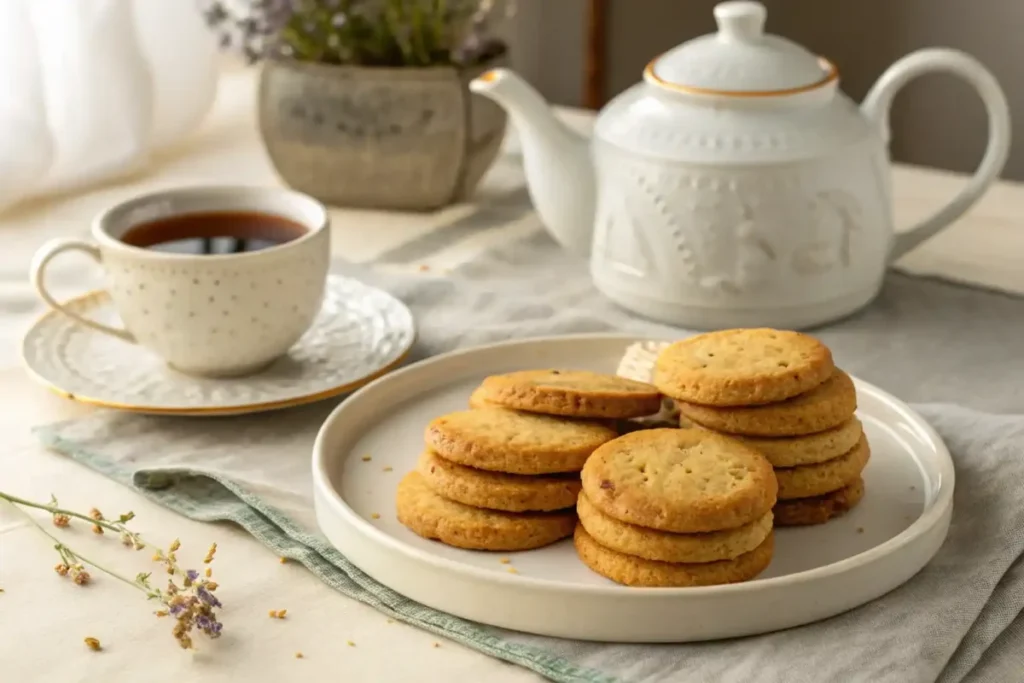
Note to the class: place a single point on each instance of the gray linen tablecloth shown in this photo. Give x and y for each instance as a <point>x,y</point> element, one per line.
<point>957,352</point>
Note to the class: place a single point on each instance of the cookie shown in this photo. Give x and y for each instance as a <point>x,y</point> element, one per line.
<point>742,367</point>
<point>515,442</point>
<point>682,480</point>
<point>791,451</point>
<point>432,516</point>
<point>637,571</point>
<point>496,490</point>
<point>666,546</point>
<point>814,480</point>
<point>819,509</point>
<point>477,400</point>
<point>572,393</point>
<point>827,406</point>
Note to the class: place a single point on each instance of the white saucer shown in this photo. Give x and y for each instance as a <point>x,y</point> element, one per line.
<point>817,572</point>
<point>361,333</point>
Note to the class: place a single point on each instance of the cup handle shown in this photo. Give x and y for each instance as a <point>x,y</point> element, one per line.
<point>879,100</point>
<point>42,259</point>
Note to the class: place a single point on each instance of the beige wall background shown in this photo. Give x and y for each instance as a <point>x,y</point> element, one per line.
<point>936,120</point>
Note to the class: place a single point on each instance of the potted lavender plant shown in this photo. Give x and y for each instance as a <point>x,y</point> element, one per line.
<point>365,103</point>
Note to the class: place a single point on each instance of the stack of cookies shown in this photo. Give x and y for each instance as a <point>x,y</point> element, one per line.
<point>779,393</point>
<point>504,475</point>
<point>676,507</point>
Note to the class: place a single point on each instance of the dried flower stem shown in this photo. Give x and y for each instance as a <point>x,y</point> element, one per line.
<point>192,604</point>
<point>133,539</point>
<point>69,556</point>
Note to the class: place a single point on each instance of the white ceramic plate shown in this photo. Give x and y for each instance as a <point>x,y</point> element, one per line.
<point>817,572</point>
<point>360,333</point>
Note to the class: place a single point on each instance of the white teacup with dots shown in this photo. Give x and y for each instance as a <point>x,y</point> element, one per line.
<point>218,315</point>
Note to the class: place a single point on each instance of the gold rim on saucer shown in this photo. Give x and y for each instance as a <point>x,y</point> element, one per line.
<point>199,411</point>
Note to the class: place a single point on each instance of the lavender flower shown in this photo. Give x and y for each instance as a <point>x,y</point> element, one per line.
<point>364,32</point>
<point>207,597</point>
<point>253,29</point>
<point>191,604</point>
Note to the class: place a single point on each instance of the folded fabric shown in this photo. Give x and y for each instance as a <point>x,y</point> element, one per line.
<point>958,620</point>
<point>254,472</point>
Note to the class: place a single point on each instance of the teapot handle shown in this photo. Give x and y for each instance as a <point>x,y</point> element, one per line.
<point>878,102</point>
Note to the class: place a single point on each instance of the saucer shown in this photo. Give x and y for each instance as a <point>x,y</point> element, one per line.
<point>360,334</point>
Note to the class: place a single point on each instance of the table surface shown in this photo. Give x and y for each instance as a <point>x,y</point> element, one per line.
<point>45,619</point>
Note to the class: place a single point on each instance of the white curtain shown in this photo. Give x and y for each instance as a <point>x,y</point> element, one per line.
<point>89,89</point>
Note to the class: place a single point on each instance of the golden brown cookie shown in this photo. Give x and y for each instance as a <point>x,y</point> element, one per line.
<point>666,546</point>
<point>791,451</point>
<point>814,480</point>
<point>432,516</point>
<point>637,571</point>
<point>825,407</point>
<point>682,480</point>
<point>819,509</point>
<point>497,490</point>
<point>515,442</point>
<point>742,367</point>
<point>572,393</point>
<point>477,400</point>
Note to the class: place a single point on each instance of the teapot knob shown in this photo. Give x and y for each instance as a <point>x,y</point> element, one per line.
<point>740,21</point>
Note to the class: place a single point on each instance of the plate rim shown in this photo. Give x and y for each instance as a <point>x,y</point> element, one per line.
<point>213,411</point>
<point>924,523</point>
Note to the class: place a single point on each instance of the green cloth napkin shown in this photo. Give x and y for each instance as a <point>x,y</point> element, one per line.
<point>209,497</point>
<point>958,620</point>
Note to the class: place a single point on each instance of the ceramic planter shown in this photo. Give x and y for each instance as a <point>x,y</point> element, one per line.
<point>387,138</point>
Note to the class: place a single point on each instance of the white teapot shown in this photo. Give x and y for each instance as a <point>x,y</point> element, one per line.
<point>736,185</point>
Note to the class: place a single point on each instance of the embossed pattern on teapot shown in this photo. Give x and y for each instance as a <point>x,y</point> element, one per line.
<point>736,185</point>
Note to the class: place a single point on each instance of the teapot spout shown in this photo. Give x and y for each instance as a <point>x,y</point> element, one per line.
<point>559,172</point>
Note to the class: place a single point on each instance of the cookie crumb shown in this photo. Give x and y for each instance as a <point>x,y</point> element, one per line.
<point>350,643</point>
<point>512,570</point>
<point>389,468</point>
<point>424,267</point>
<point>505,560</point>
<point>367,458</point>
<point>860,530</point>
<point>208,572</point>
<point>375,515</point>
<point>299,655</point>
<point>436,644</point>
<point>277,613</point>
<point>93,644</point>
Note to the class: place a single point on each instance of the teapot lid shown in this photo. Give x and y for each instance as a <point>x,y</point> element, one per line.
<point>740,59</point>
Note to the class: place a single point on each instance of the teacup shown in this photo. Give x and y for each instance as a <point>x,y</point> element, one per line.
<point>204,311</point>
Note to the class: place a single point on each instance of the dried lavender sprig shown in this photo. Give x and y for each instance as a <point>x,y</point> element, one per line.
<point>70,557</point>
<point>191,605</point>
<point>128,537</point>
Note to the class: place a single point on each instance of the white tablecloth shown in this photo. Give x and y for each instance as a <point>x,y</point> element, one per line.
<point>43,619</point>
